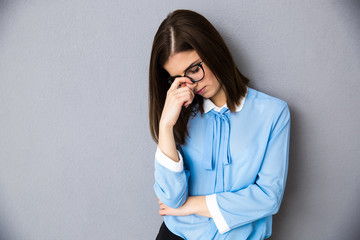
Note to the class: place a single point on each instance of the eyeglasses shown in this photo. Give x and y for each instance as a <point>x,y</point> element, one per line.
<point>195,73</point>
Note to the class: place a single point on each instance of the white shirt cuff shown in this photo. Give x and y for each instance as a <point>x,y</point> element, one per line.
<point>168,162</point>
<point>214,210</point>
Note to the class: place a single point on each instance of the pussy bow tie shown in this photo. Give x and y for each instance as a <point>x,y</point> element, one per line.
<point>217,138</point>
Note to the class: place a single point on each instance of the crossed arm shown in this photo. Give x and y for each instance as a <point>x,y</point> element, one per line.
<point>176,188</point>
<point>193,205</point>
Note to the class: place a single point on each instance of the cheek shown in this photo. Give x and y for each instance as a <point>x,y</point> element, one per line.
<point>213,81</point>
<point>211,78</point>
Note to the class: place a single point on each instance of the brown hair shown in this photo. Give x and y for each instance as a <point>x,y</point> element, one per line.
<point>180,31</point>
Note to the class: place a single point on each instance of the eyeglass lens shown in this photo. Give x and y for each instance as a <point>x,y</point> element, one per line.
<point>195,73</point>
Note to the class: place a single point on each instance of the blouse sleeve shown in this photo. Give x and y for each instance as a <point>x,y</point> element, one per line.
<point>234,209</point>
<point>171,180</point>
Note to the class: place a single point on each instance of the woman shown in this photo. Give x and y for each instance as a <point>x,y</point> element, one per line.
<point>222,156</point>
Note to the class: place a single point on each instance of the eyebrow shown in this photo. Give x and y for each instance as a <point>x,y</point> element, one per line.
<point>187,67</point>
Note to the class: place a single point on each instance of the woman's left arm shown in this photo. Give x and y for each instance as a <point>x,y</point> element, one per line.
<point>193,205</point>
<point>262,198</point>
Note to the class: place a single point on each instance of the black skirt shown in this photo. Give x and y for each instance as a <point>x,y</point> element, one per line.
<point>166,234</point>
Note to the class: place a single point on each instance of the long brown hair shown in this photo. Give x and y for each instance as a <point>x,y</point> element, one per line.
<point>180,31</point>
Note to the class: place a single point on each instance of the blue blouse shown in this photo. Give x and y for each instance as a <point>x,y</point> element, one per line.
<point>238,160</point>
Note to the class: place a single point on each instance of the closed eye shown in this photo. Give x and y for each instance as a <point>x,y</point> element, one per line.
<point>194,69</point>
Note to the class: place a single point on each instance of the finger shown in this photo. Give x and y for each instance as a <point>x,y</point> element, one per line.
<point>185,97</point>
<point>183,89</point>
<point>188,102</point>
<point>179,81</point>
<point>192,96</point>
<point>192,86</point>
<point>183,92</point>
<point>188,93</point>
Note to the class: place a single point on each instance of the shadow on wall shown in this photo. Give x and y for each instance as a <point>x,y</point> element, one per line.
<point>4,6</point>
<point>295,172</point>
<point>5,233</point>
<point>351,18</point>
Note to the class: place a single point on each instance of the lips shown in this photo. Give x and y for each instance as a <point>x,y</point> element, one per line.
<point>201,90</point>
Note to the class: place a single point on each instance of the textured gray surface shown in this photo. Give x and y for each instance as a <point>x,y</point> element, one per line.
<point>76,157</point>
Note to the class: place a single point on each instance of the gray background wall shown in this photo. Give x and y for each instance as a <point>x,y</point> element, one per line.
<point>76,157</point>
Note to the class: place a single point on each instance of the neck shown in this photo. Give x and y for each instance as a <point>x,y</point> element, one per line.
<point>219,99</point>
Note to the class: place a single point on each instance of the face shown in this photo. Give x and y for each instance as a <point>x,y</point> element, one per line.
<point>208,87</point>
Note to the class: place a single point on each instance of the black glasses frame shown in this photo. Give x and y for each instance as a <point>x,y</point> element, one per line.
<point>200,64</point>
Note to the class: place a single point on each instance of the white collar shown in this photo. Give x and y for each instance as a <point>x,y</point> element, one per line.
<point>208,105</point>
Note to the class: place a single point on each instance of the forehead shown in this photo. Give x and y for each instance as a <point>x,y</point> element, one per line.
<point>178,62</point>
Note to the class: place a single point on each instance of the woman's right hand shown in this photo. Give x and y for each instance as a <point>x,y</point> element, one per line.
<point>175,99</point>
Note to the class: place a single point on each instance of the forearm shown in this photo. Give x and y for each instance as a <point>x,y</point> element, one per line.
<point>193,205</point>
<point>167,142</point>
<point>198,205</point>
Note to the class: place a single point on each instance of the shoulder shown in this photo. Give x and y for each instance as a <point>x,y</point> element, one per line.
<point>262,98</point>
<point>264,104</point>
